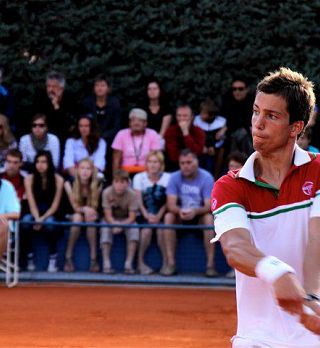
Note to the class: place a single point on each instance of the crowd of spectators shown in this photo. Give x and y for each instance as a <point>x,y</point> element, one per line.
<point>76,162</point>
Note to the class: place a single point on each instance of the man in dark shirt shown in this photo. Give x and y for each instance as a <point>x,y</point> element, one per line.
<point>106,110</point>
<point>237,108</point>
<point>58,105</point>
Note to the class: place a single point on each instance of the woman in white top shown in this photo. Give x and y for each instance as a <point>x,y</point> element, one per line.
<point>38,140</point>
<point>151,190</point>
<point>86,144</point>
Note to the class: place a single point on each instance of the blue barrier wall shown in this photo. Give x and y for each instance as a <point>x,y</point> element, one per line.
<point>190,253</point>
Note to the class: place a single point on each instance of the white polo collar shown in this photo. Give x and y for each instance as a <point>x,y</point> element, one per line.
<point>300,158</point>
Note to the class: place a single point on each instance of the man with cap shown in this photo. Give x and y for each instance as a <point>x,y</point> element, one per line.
<point>131,145</point>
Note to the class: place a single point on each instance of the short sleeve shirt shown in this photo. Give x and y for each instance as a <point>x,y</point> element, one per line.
<point>9,202</point>
<point>120,205</point>
<point>191,193</point>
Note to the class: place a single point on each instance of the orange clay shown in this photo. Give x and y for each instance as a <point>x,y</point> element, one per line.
<point>122,317</point>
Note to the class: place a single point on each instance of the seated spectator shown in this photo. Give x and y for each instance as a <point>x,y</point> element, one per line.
<point>44,190</point>
<point>83,194</point>
<point>158,114</point>
<point>151,190</point>
<point>236,160</point>
<point>12,172</point>
<point>183,135</point>
<point>39,139</point>
<point>120,206</point>
<point>305,140</point>
<point>188,202</point>
<point>86,144</point>
<point>104,108</point>
<point>6,102</point>
<point>7,140</point>
<point>215,128</point>
<point>237,108</point>
<point>58,105</point>
<point>9,210</point>
<point>131,145</point>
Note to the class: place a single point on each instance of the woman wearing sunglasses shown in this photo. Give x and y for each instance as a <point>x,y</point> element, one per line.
<point>39,139</point>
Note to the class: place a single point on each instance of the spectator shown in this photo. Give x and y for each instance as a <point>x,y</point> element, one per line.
<point>188,202</point>
<point>215,128</point>
<point>131,145</point>
<point>104,108</point>
<point>158,114</point>
<point>86,143</point>
<point>236,160</point>
<point>7,140</point>
<point>39,139</point>
<point>107,113</point>
<point>151,190</point>
<point>120,207</point>
<point>58,105</point>
<point>6,101</point>
<point>44,190</point>
<point>305,139</point>
<point>9,210</point>
<point>237,108</point>
<point>183,135</point>
<point>83,195</point>
<point>13,172</point>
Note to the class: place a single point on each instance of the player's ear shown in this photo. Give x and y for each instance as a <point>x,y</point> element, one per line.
<point>296,128</point>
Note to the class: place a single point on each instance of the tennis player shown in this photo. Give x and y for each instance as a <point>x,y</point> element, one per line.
<point>267,218</point>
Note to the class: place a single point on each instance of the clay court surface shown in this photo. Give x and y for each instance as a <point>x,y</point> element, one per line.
<point>115,316</point>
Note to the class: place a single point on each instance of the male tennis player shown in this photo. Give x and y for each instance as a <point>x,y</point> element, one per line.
<point>267,217</point>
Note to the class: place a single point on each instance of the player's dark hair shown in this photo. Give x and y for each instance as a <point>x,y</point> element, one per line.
<point>294,88</point>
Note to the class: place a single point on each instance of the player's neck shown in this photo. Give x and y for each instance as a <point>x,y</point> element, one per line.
<point>274,167</point>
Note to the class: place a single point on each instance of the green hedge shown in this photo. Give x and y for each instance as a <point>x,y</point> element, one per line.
<point>194,47</point>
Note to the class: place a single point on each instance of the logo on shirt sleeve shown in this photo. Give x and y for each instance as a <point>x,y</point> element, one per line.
<point>307,188</point>
<point>213,204</point>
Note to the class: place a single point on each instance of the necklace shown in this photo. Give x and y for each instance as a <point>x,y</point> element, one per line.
<point>137,149</point>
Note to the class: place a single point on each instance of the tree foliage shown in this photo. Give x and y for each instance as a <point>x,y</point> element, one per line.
<point>193,47</point>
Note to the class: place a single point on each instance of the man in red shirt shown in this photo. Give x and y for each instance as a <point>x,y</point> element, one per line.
<point>12,172</point>
<point>183,135</point>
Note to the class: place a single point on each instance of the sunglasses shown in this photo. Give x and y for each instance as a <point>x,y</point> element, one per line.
<point>241,89</point>
<point>40,125</point>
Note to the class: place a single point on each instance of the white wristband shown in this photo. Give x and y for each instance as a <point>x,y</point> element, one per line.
<point>270,269</point>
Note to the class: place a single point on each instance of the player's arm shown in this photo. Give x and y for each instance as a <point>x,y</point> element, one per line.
<point>242,255</point>
<point>312,258</point>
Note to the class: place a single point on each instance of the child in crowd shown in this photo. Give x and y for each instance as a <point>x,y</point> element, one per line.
<point>120,207</point>
<point>215,128</point>
<point>43,190</point>
<point>83,194</point>
<point>305,140</point>
<point>150,187</point>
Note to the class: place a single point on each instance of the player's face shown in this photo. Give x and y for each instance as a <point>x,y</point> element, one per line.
<point>188,165</point>
<point>101,88</point>
<point>85,171</point>
<point>271,130</point>
<point>13,165</point>
<point>153,165</point>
